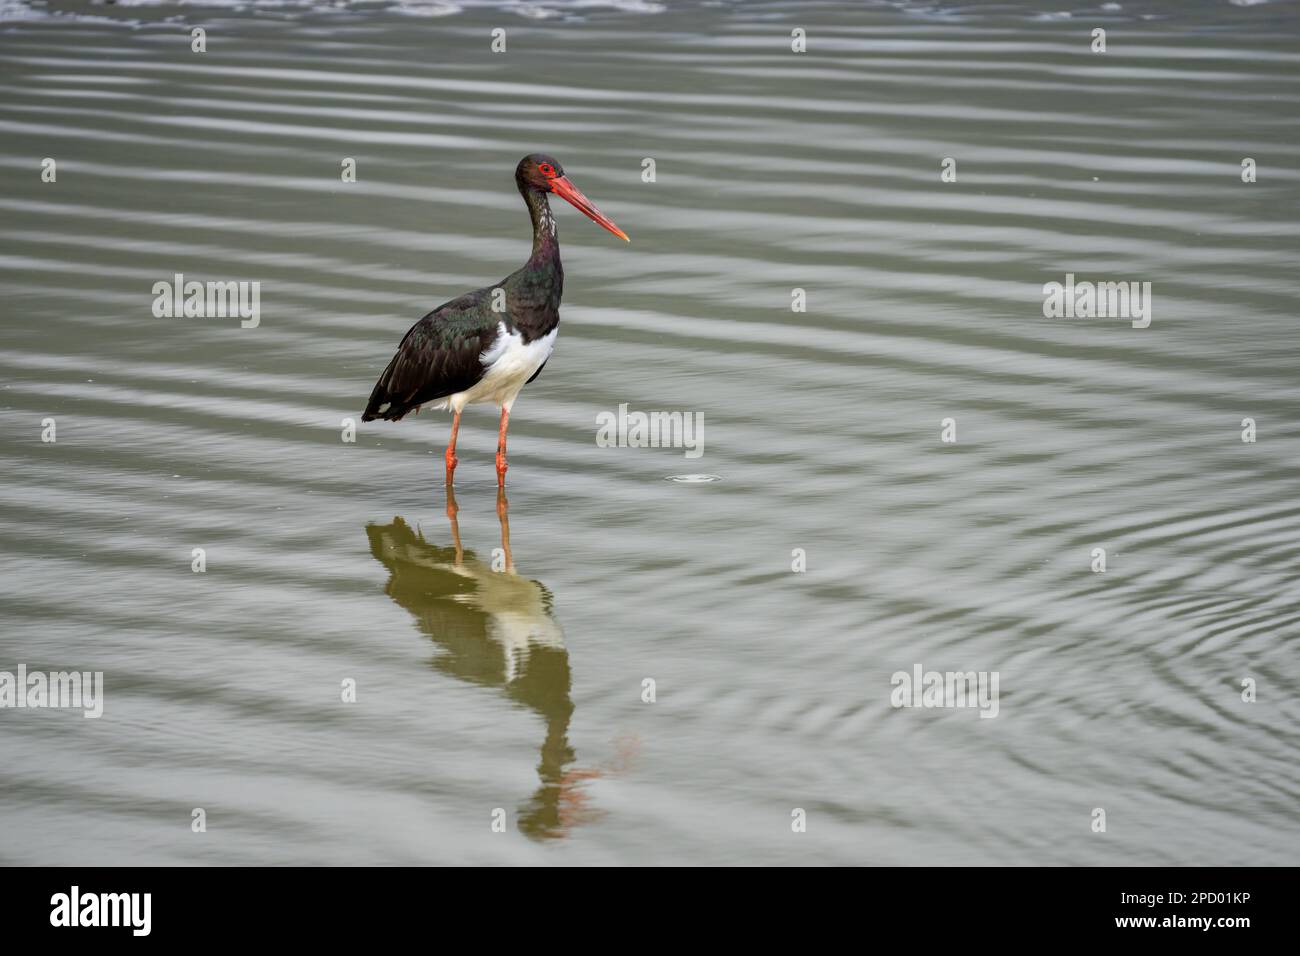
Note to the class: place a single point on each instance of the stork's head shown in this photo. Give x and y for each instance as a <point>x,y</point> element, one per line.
<point>544,173</point>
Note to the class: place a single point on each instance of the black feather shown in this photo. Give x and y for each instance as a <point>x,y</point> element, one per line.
<point>439,356</point>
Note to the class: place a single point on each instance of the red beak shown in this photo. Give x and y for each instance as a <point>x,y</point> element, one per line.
<point>564,188</point>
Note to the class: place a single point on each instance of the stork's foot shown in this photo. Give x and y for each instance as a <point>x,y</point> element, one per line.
<point>452,461</point>
<point>502,467</point>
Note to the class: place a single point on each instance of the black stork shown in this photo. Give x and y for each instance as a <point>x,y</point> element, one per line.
<point>486,345</point>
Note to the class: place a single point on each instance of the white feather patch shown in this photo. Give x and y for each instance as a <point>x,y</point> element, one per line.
<point>510,363</point>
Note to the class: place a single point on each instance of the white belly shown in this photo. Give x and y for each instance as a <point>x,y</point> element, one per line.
<point>509,363</point>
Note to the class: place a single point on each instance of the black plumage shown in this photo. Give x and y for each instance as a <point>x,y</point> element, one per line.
<point>440,355</point>
<point>498,337</point>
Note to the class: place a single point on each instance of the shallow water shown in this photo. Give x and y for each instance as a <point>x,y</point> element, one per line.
<point>482,686</point>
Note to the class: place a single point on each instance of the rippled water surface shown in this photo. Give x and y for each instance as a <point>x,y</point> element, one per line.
<point>489,680</point>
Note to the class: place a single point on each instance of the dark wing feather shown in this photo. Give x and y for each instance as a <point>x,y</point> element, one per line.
<point>438,357</point>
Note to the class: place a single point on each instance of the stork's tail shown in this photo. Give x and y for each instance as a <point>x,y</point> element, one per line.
<point>382,403</point>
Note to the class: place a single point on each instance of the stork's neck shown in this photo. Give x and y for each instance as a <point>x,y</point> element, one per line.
<point>546,244</point>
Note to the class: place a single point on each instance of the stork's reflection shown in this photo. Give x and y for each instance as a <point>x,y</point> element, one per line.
<point>495,628</point>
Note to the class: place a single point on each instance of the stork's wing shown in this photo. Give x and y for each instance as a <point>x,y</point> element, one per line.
<point>438,357</point>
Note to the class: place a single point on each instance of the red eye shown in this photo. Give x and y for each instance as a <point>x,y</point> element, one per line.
<point>547,169</point>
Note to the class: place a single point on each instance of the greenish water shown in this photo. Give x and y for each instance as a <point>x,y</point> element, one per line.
<point>486,683</point>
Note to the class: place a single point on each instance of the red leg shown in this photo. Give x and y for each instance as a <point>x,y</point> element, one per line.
<point>501,448</point>
<point>452,460</point>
